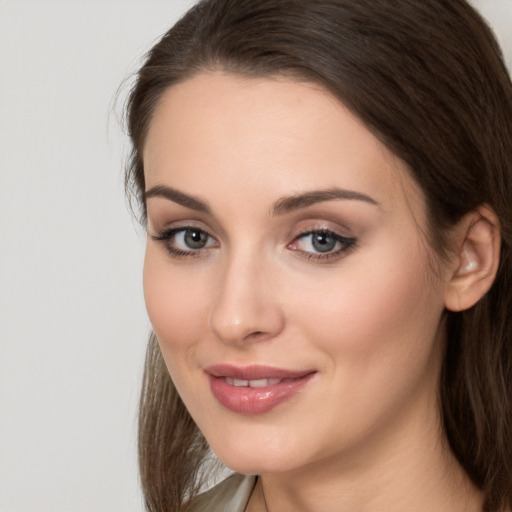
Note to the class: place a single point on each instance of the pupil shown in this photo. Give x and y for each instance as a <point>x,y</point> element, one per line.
<point>195,239</point>
<point>323,242</point>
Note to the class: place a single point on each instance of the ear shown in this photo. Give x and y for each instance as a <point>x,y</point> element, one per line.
<point>476,261</point>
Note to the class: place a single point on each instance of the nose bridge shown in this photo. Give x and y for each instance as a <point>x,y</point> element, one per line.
<point>246,306</point>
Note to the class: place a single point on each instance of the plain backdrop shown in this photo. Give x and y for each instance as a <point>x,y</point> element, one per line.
<point>72,321</point>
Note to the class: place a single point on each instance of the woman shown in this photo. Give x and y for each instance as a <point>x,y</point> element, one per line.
<point>326,186</point>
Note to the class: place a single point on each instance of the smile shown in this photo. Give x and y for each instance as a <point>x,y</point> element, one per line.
<point>256,389</point>
<point>257,383</point>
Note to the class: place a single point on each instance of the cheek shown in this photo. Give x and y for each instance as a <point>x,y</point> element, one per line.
<point>177,310</point>
<point>382,310</point>
<point>377,327</point>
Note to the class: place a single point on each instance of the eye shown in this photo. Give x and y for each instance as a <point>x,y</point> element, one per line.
<point>192,238</point>
<point>186,241</point>
<point>322,244</point>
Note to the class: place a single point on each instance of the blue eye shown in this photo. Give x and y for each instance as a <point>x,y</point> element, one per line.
<point>322,244</point>
<point>186,241</point>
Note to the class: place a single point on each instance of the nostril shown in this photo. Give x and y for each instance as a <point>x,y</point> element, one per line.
<point>256,334</point>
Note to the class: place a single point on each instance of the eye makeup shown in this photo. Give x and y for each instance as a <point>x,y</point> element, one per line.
<point>321,244</point>
<point>186,241</point>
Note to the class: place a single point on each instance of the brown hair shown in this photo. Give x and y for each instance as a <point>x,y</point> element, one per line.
<point>427,77</point>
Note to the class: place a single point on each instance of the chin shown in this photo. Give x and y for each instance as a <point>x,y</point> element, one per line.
<point>252,466</point>
<point>256,457</point>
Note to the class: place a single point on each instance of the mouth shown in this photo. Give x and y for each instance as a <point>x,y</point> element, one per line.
<point>255,389</point>
<point>256,383</point>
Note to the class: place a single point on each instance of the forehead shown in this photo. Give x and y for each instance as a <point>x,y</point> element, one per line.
<point>218,133</point>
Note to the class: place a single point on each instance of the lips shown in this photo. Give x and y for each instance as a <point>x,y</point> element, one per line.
<point>255,389</point>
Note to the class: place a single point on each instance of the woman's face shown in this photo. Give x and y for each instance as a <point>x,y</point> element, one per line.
<point>286,276</point>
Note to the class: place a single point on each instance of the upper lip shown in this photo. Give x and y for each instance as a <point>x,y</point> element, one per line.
<point>254,372</point>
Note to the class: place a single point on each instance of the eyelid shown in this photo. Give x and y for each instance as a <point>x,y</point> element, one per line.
<point>323,228</point>
<point>165,237</point>
<point>167,228</point>
<point>347,244</point>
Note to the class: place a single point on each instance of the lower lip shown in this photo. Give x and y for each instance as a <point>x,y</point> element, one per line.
<point>247,400</point>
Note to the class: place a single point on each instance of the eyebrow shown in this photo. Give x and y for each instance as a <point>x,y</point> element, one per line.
<point>178,197</point>
<point>288,204</point>
<point>281,207</point>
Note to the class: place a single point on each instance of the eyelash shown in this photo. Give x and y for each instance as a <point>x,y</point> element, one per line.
<point>346,243</point>
<point>167,237</point>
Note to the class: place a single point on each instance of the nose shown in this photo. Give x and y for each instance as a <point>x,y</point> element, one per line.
<point>246,308</point>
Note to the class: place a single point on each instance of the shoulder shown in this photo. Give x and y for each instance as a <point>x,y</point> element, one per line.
<point>231,495</point>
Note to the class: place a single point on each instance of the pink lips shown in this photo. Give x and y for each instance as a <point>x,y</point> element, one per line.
<point>254,389</point>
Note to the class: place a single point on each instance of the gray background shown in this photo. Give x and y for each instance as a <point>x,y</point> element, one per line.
<point>72,320</point>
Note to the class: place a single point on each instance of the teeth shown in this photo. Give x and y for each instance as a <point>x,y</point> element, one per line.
<point>263,382</point>
<point>260,383</point>
<point>257,383</point>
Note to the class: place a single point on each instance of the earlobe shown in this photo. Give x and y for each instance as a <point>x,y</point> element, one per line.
<point>477,259</point>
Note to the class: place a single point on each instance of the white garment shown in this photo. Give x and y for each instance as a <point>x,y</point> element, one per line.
<point>231,495</point>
